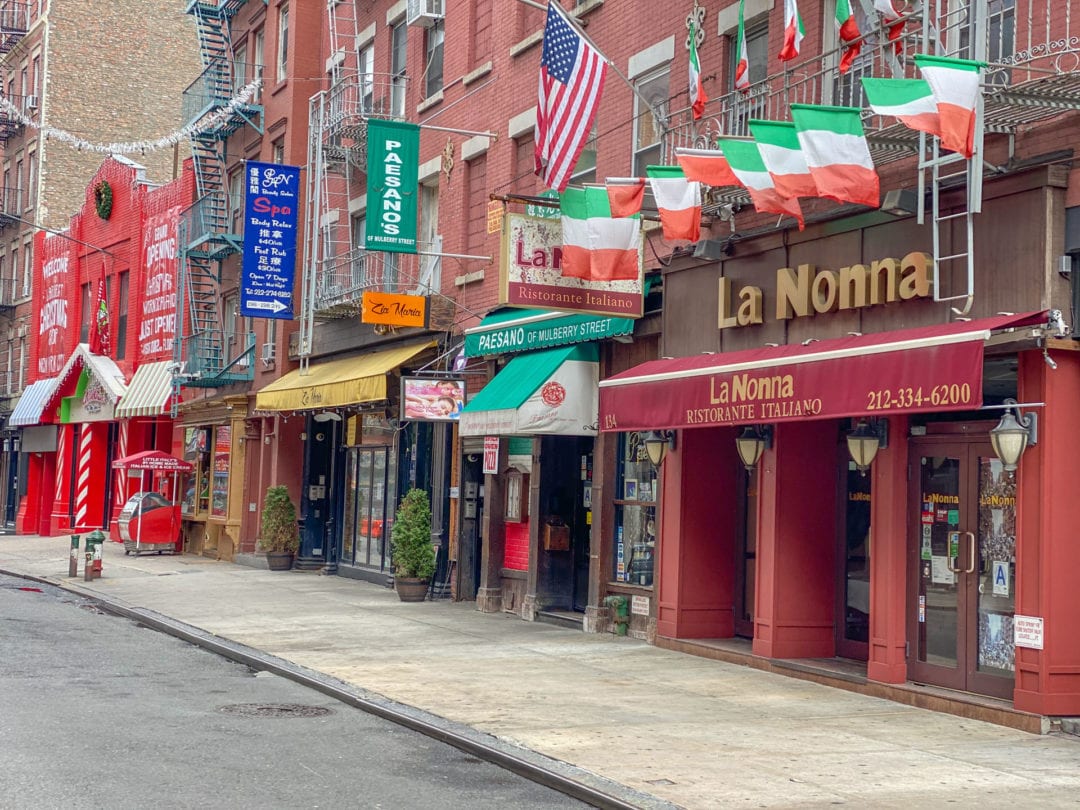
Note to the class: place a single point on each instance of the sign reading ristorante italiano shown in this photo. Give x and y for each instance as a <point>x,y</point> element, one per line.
<point>810,290</point>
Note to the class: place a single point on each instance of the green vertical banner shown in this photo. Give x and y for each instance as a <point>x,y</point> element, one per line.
<point>392,165</point>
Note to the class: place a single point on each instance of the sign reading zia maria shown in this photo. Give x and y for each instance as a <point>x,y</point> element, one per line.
<point>532,273</point>
<point>392,169</point>
<point>271,207</point>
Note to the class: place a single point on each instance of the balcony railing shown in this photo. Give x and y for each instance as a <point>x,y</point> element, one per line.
<point>216,357</point>
<point>212,219</point>
<point>352,101</point>
<point>11,205</point>
<point>215,88</point>
<point>1032,47</point>
<point>14,23</point>
<point>341,282</point>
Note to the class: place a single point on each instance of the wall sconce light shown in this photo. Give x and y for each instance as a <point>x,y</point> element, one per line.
<point>900,202</point>
<point>657,444</point>
<point>865,440</point>
<point>268,437</point>
<point>751,443</point>
<point>1013,434</point>
<point>303,436</point>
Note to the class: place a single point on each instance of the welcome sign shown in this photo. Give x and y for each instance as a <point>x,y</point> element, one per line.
<point>392,169</point>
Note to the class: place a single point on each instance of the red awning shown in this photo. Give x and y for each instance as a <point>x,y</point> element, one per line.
<point>933,368</point>
<point>152,460</point>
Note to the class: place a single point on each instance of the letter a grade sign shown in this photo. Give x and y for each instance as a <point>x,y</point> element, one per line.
<point>271,203</point>
<point>393,164</point>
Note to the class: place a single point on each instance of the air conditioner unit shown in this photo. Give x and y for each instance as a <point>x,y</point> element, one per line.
<point>30,103</point>
<point>425,13</point>
<point>268,354</point>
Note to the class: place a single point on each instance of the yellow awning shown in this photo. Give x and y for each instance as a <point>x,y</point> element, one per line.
<point>336,384</point>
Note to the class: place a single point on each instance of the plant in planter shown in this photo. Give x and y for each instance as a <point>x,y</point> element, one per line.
<point>410,540</point>
<point>280,536</point>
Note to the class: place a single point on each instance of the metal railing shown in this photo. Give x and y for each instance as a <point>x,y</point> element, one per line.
<point>1034,55</point>
<point>217,357</point>
<point>14,23</point>
<point>341,282</point>
<point>216,86</point>
<point>359,97</point>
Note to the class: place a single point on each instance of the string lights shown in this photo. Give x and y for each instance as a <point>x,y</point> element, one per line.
<point>204,124</point>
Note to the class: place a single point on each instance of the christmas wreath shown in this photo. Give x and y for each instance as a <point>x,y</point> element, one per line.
<point>103,199</point>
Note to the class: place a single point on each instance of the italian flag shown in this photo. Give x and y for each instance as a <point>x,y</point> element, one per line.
<point>596,246</point>
<point>742,61</point>
<point>708,166</point>
<point>679,201</point>
<point>955,85</point>
<point>909,100</point>
<point>749,168</point>
<point>848,30</point>
<point>835,146</point>
<point>891,17</point>
<point>697,90</point>
<point>625,195</point>
<point>793,31</point>
<point>780,151</point>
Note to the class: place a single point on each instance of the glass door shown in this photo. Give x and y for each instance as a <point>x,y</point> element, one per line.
<point>853,589</point>
<point>963,569</point>
<point>745,551</point>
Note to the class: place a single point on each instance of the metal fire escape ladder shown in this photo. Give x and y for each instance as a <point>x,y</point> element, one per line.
<point>334,114</point>
<point>954,231</point>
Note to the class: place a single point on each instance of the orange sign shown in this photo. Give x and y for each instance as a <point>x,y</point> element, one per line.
<point>394,310</point>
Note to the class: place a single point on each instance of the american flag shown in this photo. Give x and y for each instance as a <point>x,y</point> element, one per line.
<point>571,79</point>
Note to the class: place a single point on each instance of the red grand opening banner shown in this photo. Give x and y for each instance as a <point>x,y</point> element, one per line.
<point>157,325</point>
<point>55,319</point>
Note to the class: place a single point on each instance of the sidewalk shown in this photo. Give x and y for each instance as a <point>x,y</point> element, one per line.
<point>688,730</point>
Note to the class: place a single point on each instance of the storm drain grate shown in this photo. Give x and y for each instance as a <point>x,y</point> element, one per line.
<point>274,710</point>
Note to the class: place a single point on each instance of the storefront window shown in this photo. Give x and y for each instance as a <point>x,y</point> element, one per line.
<point>635,512</point>
<point>222,448</point>
<point>196,484</point>
<point>370,469</point>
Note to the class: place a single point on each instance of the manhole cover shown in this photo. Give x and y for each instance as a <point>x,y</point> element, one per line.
<point>274,710</point>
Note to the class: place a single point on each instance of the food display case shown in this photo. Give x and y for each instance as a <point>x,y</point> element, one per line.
<point>150,520</point>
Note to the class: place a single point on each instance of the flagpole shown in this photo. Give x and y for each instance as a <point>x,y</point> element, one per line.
<point>656,114</point>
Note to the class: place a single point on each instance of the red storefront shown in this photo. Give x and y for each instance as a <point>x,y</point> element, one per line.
<point>939,566</point>
<point>96,404</point>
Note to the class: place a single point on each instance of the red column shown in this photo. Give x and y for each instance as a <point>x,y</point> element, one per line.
<point>695,585</point>
<point>889,506</point>
<point>796,547</point>
<point>1048,554</point>
<point>59,518</point>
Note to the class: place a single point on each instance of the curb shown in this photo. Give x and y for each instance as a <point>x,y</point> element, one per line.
<point>563,777</point>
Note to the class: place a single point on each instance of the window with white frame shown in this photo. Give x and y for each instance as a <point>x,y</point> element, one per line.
<point>10,381</point>
<point>648,144</point>
<point>751,102</point>
<point>283,43</point>
<point>846,89</point>
<point>358,229</point>
<point>258,59</point>
<point>366,64</point>
<point>277,151</point>
<point>433,53</point>
<point>31,179</point>
<point>236,200</point>
<point>585,168</point>
<point>120,338</point>
<point>22,363</point>
<point>399,38</point>
<point>28,269</point>
<point>240,67</point>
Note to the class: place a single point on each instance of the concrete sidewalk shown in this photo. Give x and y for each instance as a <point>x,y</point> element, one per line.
<point>688,730</point>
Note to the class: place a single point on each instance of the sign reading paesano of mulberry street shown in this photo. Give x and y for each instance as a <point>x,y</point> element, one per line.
<point>392,170</point>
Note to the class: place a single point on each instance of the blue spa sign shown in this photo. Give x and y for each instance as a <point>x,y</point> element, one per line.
<point>271,207</point>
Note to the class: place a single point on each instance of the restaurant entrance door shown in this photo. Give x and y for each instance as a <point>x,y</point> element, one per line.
<point>962,550</point>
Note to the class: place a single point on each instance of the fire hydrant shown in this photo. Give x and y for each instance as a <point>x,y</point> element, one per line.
<point>621,619</point>
<point>95,542</point>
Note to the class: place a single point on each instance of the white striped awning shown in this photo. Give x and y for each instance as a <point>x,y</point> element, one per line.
<point>148,393</point>
<point>27,411</point>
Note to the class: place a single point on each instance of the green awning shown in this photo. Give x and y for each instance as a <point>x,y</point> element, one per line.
<point>552,391</point>
<point>518,330</point>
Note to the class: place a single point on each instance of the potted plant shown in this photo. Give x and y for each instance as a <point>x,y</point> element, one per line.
<point>280,536</point>
<point>410,541</point>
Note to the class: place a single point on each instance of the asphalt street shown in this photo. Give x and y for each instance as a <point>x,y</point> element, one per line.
<point>98,711</point>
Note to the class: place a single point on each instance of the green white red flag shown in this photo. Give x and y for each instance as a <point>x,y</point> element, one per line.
<point>679,202</point>
<point>748,167</point>
<point>955,85</point>
<point>793,31</point>
<point>848,31</point>
<point>779,146</point>
<point>742,59</point>
<point>909,100</point>
<point>834,143</point>
<point>698,98</point>
<point>597,246</point>
<point>708,166</point>
<point>625,195</point>
<point>891,17</point>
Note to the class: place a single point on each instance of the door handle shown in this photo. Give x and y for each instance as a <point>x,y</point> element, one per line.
<point>956,569</point>
<point>971,568</point>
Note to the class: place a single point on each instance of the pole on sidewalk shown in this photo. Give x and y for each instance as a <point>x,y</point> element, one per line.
<point>88,566</point>
<point>73,562</point>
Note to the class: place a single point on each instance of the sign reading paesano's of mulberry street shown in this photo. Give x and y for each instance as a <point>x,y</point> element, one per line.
<point>392,169</point>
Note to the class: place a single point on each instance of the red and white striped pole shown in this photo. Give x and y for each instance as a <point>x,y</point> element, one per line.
<point>82,497</point>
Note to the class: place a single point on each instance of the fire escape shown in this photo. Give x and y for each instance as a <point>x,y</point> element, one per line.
<point>337,270</point>
<point>209,355</point>
<point>14,23</point>
<point>1032,75</point>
